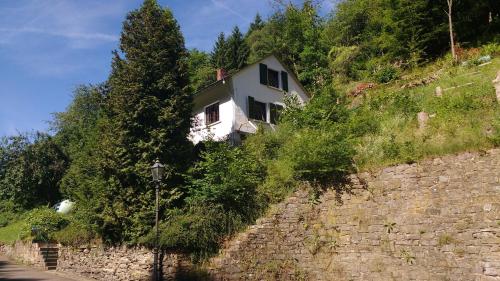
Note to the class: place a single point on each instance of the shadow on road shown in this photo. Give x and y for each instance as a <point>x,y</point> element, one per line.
<point>9,272</point>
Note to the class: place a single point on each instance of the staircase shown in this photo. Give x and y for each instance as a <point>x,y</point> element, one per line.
<point>49,253</point>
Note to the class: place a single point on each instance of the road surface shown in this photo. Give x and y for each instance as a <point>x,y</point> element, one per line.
<point>10,271</point>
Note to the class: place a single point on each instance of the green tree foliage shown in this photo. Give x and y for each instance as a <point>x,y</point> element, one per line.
<point>219,59</point>
<point>237,51</point>
<point>79,134</point>
<point>201,71</point>
<point>223,197</point>
<point>404,32</point>
<point>31,168</point>
<point>294,35</point>
<point>226,176</point>
<point>230,53</point>
<point>312,144</point>
<point>257,24</point>
<point>149,116</point>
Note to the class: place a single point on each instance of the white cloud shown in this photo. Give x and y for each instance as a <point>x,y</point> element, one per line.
<point>55,38</point>
<point>225,6</point>
<point>65,34</point>
<point>72,20</point>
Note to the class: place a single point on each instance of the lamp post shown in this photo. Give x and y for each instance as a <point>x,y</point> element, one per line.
<point>157,170</point>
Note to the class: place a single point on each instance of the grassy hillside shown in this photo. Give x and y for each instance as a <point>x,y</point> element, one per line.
<point>11,232</point>
<point>466,117</point>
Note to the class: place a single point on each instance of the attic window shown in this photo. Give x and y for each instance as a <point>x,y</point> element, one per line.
<point>212,113</point>
<point>273,78</point>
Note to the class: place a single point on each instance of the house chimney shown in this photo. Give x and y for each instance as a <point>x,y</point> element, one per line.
<point>221,74</point>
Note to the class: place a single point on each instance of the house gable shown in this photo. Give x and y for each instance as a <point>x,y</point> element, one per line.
<point>251,84</point>
<point>239,102</point>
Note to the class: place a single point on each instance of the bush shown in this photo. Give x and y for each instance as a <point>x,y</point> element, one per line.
<point>42,223</point>
<point>226,176</point>
<point>386,74</point>
<point>197,229</point>
<point>342,59</point>
<point>312,143</point>
<point>74,234</point>
<point>492,49</point>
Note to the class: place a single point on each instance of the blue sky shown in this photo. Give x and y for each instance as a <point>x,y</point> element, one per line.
<point>48,47</point>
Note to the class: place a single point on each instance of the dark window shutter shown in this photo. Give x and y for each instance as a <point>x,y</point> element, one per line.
<point>284,81</point>
<point>251,110</point>
<point>263,74</point>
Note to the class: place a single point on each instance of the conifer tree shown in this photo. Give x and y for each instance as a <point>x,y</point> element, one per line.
<point>237,50</point>
<point>149,115</point>
<point>257,24</point>
<point>219,52</point>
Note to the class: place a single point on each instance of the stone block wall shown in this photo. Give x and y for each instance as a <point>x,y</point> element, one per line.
<point>98,263</point>
<point>435,220</point>
<point>25,252</point>
<point>118,263</point>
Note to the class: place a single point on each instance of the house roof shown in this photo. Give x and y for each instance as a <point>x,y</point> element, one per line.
<point>290,72</point>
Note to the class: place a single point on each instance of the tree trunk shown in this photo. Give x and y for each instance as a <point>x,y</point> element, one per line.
<point>450,22</point>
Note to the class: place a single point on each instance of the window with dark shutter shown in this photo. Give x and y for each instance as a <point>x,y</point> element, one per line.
<point>273,78</point>
<point>212,113</point>
<point>263,74</point>
<point>275,110</point>
<point>256,109</point>
<point>284,81</point>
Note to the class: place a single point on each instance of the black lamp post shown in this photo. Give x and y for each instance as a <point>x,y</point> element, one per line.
<point>157,170</point>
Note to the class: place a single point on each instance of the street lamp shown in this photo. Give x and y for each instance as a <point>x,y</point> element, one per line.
<point>157,171</point>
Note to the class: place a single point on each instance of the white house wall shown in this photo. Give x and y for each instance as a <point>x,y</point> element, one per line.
<point>247,83</point>
<point>218,130</point>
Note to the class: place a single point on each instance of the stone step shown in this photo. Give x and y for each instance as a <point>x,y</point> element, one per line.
<point>49,249</point>
<point>49,253</point>
<point>45,256</point>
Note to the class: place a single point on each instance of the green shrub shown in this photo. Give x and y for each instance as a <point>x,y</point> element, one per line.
<point>386,74</point>
<point>323,155</point>
<point>197,229</point>
<point>74,234</point>
<point>492,49</point>
<point>42,223</point>
<point>226,176</point>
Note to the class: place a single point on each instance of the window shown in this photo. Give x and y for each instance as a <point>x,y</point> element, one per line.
<point>273,78</point>
<point>256,110</point>
<point>275,112</point>
<point>270,77</point>
<point>212,113</point>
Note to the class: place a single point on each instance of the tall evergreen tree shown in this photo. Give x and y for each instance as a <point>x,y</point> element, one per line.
<point>257,24</point>
<point>237,50</point>
<point>149,117</point>
<point>219,59</point>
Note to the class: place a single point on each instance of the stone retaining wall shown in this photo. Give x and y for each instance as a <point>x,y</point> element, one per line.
<point>435,220</point>
<point>118,263</point>
<point>110,264</point>
<point>25,252</point>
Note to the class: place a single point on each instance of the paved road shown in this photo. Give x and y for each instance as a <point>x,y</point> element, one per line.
<point>13,272</point>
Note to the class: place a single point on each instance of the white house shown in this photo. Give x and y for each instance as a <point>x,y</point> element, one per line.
<point>236,104</point>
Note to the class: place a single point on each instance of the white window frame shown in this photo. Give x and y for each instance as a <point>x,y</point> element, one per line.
<point>205,114</point>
